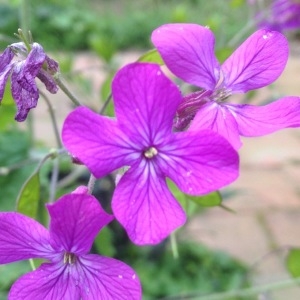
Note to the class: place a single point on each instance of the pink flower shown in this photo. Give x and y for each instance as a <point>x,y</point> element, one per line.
<point>188,51</point>
<point>141,139</point>
<point>70,273</point>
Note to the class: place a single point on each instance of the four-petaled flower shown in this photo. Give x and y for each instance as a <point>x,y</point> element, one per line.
<point>23,72</point>
<point>188,51</point>
<point>141,138</point>
<point>71,273</point>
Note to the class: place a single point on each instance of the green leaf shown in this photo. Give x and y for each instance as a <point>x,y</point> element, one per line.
<point>7,110</point>
<point>190,207</point>
<point>152,56</point>
<point>28,199</point>
<point>293,262</point>
<point>212,199</point>
<point>103,46</point>
<point>104,242</point>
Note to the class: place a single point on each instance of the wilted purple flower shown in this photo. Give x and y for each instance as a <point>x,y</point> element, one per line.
<point>283,15</point>
<point>70,272</point>
<point>141,139</point>
<point>188,51</point>
<point>24,70</point>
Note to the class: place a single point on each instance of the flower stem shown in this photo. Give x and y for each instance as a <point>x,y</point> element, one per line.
<point>91,183</point>
<point>256,290</point>
<point>58,79</point>
<point>25,18</point>
<point>174,245</point>
<point>53,119</point>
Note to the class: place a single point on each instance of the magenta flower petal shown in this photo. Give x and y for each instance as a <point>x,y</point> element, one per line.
<point>144,206</point>
<point>5,68</point>
<point>204,160</point>
<point>188,51</point>
<point>93,277</point>
<point>219,119</point>
<point>22,238</point>
<point>101,277</point>
<point>48,81</point>
<point>75,221</point>
<point>96,141</point>
<point>145,102</point>
<point>258,62</point>
<point>48,282</point>
<point>260,120</point>
<point>25,100</point>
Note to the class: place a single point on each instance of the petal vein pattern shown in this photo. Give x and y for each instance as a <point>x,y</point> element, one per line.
<point>144,206</point>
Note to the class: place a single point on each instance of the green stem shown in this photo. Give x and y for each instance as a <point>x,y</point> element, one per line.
<point>31,262</point>
<point>174,245</point>
<point>242,293</point>
<point>25,17</point>
<point>103,108</point>
<point>53,119</point>
<point>58,79</point>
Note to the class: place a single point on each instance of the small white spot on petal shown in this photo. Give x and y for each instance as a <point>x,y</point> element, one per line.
<point>188,174</point>
<point>267,35</point>
<point>120,276</point>
<point>158,73</point>
<point>133,276</point>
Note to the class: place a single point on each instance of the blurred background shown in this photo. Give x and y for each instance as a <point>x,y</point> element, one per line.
<point>219,250</point>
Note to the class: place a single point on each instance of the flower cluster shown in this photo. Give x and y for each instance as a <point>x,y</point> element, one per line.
<point>23,70</point>
<point>157,135</point>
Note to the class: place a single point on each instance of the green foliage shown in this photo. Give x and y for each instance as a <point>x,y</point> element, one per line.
<point>9,274</point>
<point>108,26</point>
<point>197,270</point>
<point>28,199</point>
<point>209,200</point>
<point>293,262</point>
<point>14,145</point>
<point>152,56</point>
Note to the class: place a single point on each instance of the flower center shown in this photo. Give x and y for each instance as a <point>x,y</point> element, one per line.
<point>150,152</point>
<point>69,258</point>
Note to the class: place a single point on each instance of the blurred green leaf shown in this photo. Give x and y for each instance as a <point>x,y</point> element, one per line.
<point>212,199</point>
<point>179,14</point>
<point>237,3</point>
<point>190,207</point>
<point>12,272</point>
<point>7,110</point>
<point>223,53</point>
<point>152,56</point>
<point>104,242</point>
<point>103,46</point>
<point>293,262</point>
<point>28,199</point>
<point>14,147</point>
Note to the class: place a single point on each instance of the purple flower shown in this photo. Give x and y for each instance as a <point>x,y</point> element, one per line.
<point>283,15</point>
<point>23,72</point>
<point>141,139</point>
<point>188,51</point>
<point>70,273</point>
